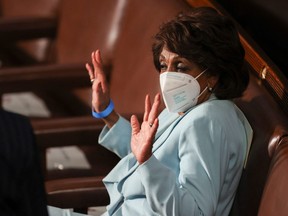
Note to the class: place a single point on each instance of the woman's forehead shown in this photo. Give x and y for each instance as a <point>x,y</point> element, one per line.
<point>166,54</point>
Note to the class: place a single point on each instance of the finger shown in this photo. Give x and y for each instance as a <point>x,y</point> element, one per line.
<point>155,126</point>
<point>153,130</point>
<point>135,125</point>
<point>90,71</point>
<point>98,57</point>
<point>97,62</point>
<point>155,108</point>
<point>94,62</point>
<point>147,107</point>
<point>99,71</point>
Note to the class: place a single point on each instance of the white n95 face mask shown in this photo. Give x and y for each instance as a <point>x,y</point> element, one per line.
<point>180,91</point>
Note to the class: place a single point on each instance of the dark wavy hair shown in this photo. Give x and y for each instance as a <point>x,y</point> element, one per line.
<point>210,40</point>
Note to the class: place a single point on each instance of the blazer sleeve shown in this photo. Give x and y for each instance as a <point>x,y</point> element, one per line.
<point>117,139</point>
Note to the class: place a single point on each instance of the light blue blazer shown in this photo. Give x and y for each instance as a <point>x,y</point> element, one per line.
<point>196,165</point>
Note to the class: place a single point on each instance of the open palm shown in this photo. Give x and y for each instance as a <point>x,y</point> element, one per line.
<point>143,135</point>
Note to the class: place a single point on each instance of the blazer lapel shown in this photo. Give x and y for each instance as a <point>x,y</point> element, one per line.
<point>162,138</point>
<point>121,170</point>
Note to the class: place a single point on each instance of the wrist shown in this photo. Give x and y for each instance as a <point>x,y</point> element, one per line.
<point>105,112</point>
<point>111,119</point>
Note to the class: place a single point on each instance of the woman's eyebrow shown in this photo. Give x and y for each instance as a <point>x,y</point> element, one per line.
<point>179,59</point>
<point>176,57</point>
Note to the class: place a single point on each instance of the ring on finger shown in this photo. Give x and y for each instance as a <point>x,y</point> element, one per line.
<point>150,124</point>
<point>92,80</point>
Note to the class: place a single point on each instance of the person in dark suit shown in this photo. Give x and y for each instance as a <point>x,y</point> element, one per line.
<point>21,181</point>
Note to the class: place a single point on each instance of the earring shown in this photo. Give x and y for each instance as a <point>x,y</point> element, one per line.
<point>210,89</point>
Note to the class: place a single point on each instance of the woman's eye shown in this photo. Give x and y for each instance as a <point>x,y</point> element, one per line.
<point>181,68</point>
<point>163,67</point>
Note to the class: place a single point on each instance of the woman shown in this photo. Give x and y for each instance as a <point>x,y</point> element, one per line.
<point>189,159</point>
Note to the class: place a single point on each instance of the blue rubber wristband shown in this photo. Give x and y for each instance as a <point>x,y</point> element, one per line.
<point>105,112</point>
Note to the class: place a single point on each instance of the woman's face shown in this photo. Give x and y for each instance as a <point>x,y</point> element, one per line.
<point>172,62</point>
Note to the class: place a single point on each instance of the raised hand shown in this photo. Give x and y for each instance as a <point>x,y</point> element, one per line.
<point>143,135</point>
<point>100,89</point>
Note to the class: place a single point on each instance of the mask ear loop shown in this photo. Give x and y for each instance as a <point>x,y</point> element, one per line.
<point>201,93</point>
<point>207,87</point>
<point>210,89</point>
<point>201,73</point>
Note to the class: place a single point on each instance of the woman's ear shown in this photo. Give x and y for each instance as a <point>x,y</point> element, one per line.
<point>212,82</point>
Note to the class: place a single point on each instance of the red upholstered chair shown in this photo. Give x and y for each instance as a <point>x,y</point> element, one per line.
<point>274,197</point>
<point>17,15</point>
<point>269,124</point>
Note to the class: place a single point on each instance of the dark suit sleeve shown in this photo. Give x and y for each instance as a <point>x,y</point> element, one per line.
<point>21,183</point>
